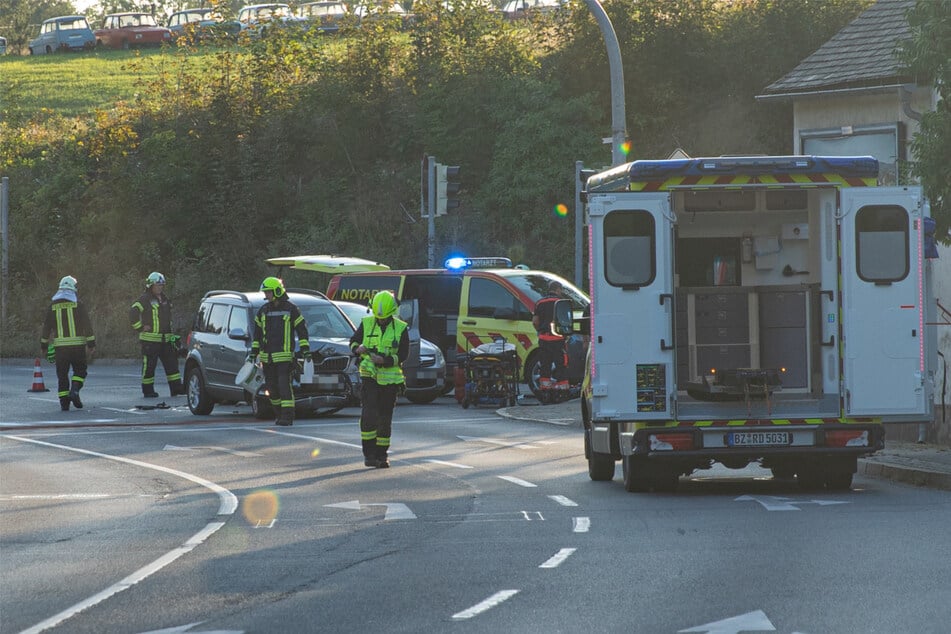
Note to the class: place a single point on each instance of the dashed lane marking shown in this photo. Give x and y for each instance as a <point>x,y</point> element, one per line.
<point>487,604</point>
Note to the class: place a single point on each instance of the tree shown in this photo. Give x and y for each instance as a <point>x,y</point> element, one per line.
<point>928,56</point>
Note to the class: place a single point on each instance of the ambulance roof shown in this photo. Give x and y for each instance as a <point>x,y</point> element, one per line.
<point>737,171</point>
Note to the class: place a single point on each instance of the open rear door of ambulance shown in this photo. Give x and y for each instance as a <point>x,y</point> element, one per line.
<point>632,376</point>
<point>883,277</point>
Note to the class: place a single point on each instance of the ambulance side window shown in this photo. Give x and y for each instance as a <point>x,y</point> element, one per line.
<point>881,243</point>
<point>486,296</point>
<point>629,248</point>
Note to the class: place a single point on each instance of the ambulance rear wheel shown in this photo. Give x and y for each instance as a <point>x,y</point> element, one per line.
<point>600,465</point>
<point>634,474</point>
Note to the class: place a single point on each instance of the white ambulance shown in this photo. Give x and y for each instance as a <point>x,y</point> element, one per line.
<point>754,309</point>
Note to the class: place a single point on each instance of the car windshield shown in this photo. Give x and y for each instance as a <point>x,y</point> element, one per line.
<point>73,25</point>
<point>535,286</point>
<point>198,16</point>
<point>139,19</point>
<point>325,320</point>
<point>316,10</point>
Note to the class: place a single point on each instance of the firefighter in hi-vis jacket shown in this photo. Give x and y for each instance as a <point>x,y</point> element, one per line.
<point>151,317</point>
<point>382,343</point>
<point>274,328</point>
<point>67,328</point>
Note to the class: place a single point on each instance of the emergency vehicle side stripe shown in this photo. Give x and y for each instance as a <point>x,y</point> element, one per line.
<point>702,182</point>
<point>758,422</point>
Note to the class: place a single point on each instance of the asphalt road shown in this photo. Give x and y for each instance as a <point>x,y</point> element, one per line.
<point>483,524</point>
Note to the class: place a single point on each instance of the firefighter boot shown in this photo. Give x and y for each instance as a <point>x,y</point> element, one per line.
<point>148,391</point>
<point>74,397</point>
<point>64,403</point>
<point>369,450</point>
<point>382,446</point>
<point>176,389</point>
<point>286,419</point>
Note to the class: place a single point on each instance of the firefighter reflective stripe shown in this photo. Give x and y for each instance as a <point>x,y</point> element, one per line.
<point>151,317</point>
<point>777,180</point>
<point>386,342</point>
<point>65,327</point>
<point>274,328</point>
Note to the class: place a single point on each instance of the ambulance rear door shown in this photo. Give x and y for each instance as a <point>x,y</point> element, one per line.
<point>882,273</point>
<point>632,376</point>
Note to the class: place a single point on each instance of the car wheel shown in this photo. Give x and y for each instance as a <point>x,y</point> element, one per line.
<point>261,408</point>
<point>199,401</point>
<point>533,371</point>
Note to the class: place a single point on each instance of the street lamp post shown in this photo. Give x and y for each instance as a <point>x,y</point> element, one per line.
<point>618,126</point>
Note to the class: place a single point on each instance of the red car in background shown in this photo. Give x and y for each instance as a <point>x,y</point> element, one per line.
<point>131,30</point>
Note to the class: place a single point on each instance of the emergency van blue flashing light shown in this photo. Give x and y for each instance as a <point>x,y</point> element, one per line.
<point>457,263</point>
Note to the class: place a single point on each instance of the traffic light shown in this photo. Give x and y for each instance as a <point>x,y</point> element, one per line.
<point>447,188</point>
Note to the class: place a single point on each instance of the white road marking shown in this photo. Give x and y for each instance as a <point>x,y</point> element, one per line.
<point>65,421</point>
<point>528,515</point>
<point>186,628</point>
<point>493,441</point>
<point>227,505</point>
<point>580,524</point>
<point>558,558</point>
<point>779,503</point>
<point>518,481</point>
<point>563,500</point>
<point>75,496</point>
<point>125,411</point>
<point>306,437</point>
<point>750,622</point>
<point>234,452</point>
<point>449,464</point>
<point>394,510</point>
<point>487,604</point>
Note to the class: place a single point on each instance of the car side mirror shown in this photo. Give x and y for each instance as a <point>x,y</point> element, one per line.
<point>239,333</point>
<point>562,323</point>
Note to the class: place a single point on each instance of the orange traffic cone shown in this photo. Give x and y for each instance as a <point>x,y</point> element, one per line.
<point>38,385</point>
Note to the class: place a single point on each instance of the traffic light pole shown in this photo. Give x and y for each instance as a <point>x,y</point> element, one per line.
<point>431,209</point>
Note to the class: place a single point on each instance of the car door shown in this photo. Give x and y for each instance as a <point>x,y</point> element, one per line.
<point>235,345</point>
<point>490,310</point>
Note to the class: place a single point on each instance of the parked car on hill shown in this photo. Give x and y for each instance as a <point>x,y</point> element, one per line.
<point>220,340</point>
<point>62,34</point>
<point>258,19</point>
<point>3,46</point>
<point>325,16</point>
<point>203,24</point>
<point>519,9</point>
<point>131,30</point>
<point>374,10</point>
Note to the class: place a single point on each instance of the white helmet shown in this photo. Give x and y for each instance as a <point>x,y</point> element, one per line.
<point>68,283</point>
<point>154,278</point>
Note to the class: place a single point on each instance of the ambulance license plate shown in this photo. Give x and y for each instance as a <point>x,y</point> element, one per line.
<point>758,438</point>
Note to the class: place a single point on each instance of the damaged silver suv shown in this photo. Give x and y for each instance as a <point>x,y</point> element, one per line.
<point>220,340</point>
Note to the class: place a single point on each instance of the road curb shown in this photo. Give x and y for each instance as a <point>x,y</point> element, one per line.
<point>909,475</point>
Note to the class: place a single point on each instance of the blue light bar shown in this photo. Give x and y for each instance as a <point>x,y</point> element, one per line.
<point>458,263</point>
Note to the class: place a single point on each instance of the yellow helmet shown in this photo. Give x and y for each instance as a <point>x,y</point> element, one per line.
<point>273,284</point>
<point>384,305</point>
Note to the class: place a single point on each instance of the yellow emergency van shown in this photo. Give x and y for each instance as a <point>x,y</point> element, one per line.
<point>468,302</point>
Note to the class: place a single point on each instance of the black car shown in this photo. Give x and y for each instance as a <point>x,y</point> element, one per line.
<point>220,340</point>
